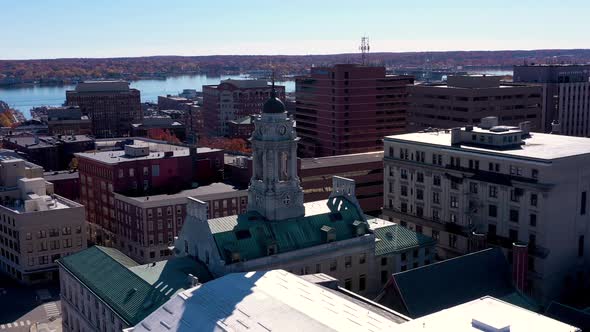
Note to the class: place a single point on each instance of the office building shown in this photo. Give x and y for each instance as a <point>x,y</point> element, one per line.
<point>234,99</point>
<point>279,231</point>
<point>466,99</point>
<point>111,106</point>
<point>493,185</point>
<point>348,109</point>
<point>67,120</point>
<point>37,227</point>
<point>566,95</point>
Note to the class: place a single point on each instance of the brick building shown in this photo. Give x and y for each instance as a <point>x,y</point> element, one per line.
<point>240,128</point>
<point>466,99</point>
<point>234,99</point>
<point>65,183</point>
<point>111,106</point>
<point>349,108</point>
<point>138,167</point>
<point>53,153</point>
<point>67,120</point>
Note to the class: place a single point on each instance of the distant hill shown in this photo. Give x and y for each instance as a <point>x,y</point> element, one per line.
<point>76,69</point>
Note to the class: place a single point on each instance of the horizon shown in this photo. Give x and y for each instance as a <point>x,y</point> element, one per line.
<point>70,29</point>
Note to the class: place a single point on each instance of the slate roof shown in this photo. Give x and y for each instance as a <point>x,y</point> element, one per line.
<point>132,290</point>
<point>569,315</point>
<point>249,234</point>
<point>441,285</point>
<point>395,238</point>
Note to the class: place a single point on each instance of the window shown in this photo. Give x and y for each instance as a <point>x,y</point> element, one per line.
<point>333,265</point>
<point>533,219</point>
<point>583,203</point>
<point>435,215</point>
<point>155,170</point>
<point>403,256</point>
<point>362,258</point>
<point>132,172</point>
<point>145,171</point>
<point>420,177</point>
<point>453,218</point>
<point>513,215</point>
<point>383,261</point>
<point>473,187</point>
<point>435,197</point>
<point>513,235</point>
<point>29,236</point>
<point>452,240</point>
<point>533,199</point>
<point>454,202</point>
<point>404,190</point>
<point>403,173</point>
<point>384,276</point>
<point>493,191</point>
<point>348,284</point>
<point>420,194</point>
<point>404,207</point>
<point>532,241</point>
<point>454,184</point>
<point>347,261</point>
<point>415,253</point>
<point>435,234</point>
<point>419,211</point>
<point>120,173</point>
<point>581,246</point>
<point>362,282</point>
<point>492,211</point>
<point>436,180</point>
<point>535,174</point>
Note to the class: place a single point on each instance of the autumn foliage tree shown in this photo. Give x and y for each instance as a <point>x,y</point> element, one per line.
<point>228,144</point>
<point>162,135</point>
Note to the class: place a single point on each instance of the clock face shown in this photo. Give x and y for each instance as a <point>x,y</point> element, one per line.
<point>282,130</point>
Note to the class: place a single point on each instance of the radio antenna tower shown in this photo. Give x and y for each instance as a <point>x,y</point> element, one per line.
<point>364,49</point>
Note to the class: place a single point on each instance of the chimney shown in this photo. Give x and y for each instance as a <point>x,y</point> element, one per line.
<point>519,265</point>
<point>192,281</point>
<point>488,122</point>
<point>455,136</point>
<point>555,127</point>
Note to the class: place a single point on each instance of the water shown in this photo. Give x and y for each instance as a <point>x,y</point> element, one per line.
<point>23,98</point>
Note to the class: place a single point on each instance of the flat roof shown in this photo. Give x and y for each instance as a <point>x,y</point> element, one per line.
<point>62,175</point>
<point>538,146</point>
<point>46,141</point>
<point>263,301</point>
<point>342,160</point>
<point>210,189</point>
<point>486,314</point>
<point>157,150</point>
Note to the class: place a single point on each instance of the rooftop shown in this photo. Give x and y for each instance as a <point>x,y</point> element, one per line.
<point>486,314</point>
<point>539,146</point>
<point>38,142</point>
<point>465,278</point>
<point>245,120</point>
<point>395,238</point>
<point>264,301</point>
<point>157,150</point>
<point>210,189</point>
<point>102,86</point>
<point>132,290</point>
<point>61,175</point>
<point>342,160</point>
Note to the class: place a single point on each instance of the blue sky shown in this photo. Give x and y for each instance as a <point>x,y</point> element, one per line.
<point>109,28</point>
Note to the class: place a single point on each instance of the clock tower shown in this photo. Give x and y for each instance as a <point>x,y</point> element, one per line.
<point>275,191</point>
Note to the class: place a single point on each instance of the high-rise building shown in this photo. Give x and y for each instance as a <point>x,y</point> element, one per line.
<point>111,106</point>
<point>566,95</point>
<point>67,120</point>
<point>492,185</point>
<point>466,99</point>
<point>349,108</point>
<point>37,227</point>
<point>234,99</point>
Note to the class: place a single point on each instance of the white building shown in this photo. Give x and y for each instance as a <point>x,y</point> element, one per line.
<point>486,314</point>
<point>495,185</point>
<point>37,227</point>
<point>268,301</point>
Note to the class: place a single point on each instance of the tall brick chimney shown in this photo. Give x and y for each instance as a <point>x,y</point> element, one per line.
<point>519,265</point>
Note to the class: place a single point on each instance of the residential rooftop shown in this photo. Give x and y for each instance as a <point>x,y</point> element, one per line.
<point>264,301</point>
<point>539,146</point>
<point>132,290</point>
<point>486,314</point>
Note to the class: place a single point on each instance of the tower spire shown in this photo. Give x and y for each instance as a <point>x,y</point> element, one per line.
<point>273,92</point>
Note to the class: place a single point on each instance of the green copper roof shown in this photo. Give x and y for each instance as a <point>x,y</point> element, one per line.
<point>133,291</point>
<point>249,234</point>
<point>395,238</point>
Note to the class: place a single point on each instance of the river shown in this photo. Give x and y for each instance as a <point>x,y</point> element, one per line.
<point>23,98</point>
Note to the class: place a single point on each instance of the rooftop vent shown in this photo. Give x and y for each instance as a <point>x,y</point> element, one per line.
<point>499,129</point>
<point>488,122</point>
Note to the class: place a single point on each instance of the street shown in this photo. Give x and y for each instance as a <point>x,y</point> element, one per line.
<point>22,306</point>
